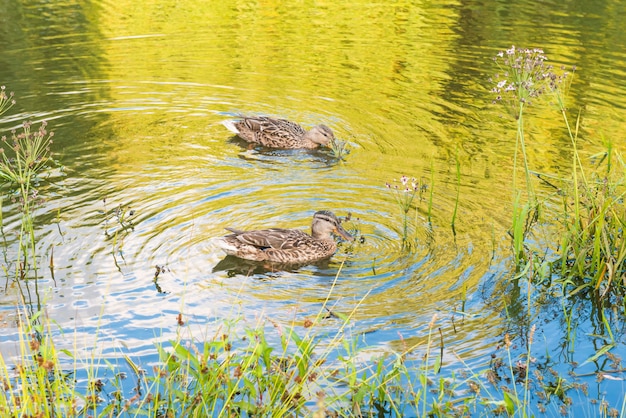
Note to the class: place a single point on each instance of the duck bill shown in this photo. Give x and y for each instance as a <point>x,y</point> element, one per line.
<point>344,234</point>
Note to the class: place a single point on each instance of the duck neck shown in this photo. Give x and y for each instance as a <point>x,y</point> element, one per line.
<point>320,236</point>
<point>308,141</point>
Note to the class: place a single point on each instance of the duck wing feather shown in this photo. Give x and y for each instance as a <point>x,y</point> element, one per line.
<point>273,127</point>
<point>275,238</point>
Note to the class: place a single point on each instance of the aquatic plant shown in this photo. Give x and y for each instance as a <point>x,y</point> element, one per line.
<point>584,263</point>
<point>514,89</point>
<point>23,155</point>
<point>339,148</point>
<point>404,191</point>
<point>592,252</point>
<point>244,373</point>
<point>592,246</point>
<point>524,77</point>
<point>30,153</point>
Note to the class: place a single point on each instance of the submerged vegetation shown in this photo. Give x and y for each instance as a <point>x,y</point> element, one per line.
<point>308,373</point>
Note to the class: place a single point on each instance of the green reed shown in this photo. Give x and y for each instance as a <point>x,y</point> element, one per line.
<point>432,191</point>
<point>525,215</point>
<point>36,385</point>
<point>593,251</point>
<point>458,192</point>
<point>592,248</point>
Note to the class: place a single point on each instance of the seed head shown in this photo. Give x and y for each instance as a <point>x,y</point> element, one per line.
<point>526,76</point>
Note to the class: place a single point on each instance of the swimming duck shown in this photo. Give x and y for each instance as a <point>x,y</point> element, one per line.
<point>279,133</point>
<point>287,245</point>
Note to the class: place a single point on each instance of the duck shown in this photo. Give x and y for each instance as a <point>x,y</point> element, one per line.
<point>279,133</point>
<point>287,246</point>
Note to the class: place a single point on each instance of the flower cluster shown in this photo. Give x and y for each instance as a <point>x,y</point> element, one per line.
<point>405,190</point>
<point>25,153</point>
<point>5,101</point>
<point>525,76</point>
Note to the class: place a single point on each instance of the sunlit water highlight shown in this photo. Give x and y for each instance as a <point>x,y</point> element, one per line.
<point>148,176</point>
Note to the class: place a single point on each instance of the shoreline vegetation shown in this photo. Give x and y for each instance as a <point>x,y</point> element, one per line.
<point>306,373</point>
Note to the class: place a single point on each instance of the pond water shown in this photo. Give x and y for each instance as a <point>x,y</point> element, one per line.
<point>135,93</point>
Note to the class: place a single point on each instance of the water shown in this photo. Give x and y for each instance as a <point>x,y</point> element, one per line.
<point>136,92</point>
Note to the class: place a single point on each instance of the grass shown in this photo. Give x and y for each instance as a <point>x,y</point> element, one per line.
<point>271,369</point>
<point>593,249</point>
<point>223,376</point>
<point>230,376</point>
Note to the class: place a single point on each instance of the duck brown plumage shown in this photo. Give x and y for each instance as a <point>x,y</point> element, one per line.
<point>279,133</point>
<point>287,245</point>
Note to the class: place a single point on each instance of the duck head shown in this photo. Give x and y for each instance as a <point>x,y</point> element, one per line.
<point>324,223</point>
<point>320,135</point>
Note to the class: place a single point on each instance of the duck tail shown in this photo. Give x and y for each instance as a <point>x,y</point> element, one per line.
<point>226,246</point>
<point>230,125</point>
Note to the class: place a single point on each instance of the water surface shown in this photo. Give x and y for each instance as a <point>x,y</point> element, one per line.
<point>135,93</point>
